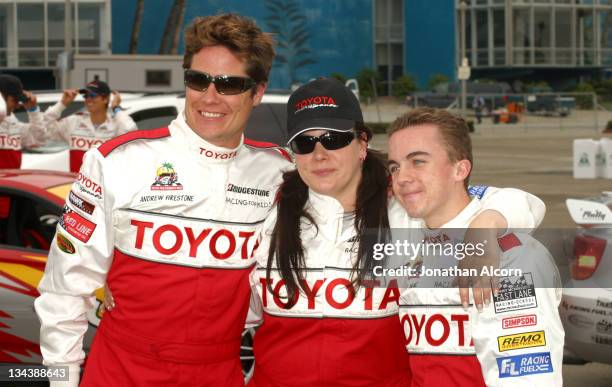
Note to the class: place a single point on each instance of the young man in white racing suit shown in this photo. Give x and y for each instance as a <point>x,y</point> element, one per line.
<point>14,135</point>
<point>88,129</point>
<point>517,340</point>
<point>171,215</point>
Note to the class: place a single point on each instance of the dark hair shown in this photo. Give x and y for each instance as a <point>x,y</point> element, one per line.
<point>370,215</point>
<point>238,34</point>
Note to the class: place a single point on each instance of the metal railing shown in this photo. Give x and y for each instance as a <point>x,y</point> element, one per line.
<point>526,111</point>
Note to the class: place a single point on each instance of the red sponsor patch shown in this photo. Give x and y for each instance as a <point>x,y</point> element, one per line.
<point>81,203</point>
<point>520,321</point>
<point>78,226</point>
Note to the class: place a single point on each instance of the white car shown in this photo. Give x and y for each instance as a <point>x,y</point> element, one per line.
<point>267,123</point>
<point>586,308</point>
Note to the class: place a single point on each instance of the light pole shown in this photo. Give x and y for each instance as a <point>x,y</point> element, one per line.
<point>463,73</point>
<point>68,28</point>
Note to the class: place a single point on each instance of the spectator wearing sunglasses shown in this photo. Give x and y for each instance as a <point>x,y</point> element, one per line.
<point>172,215</point>
<point>325,318</point>
<point>15,135</point>
<point>90,128</point>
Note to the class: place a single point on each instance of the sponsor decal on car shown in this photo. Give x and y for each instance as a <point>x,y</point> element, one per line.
<point>81,203</point>
<point>76,225</point>
<point>603,303</point>
<point>604,327</point>
<point>521,365</point>
<point>521,340</point>
<point>519,321</point>
<point>580,321</point>
<point>166,179</point>
<point>602,340</point>
<point>515,293</point>
<point>88,186</point>
<point>64,244</point>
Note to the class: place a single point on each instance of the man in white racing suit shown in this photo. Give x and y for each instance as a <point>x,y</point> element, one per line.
<point>88,129</point>
<point>171,216</point>
<point>516,340</point>
<point>14,135</point>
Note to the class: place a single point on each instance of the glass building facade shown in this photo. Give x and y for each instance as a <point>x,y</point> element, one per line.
<point>537,33</point>
<point>32,32</point>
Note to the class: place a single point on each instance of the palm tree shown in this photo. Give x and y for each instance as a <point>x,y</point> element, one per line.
<point>289,24</point>
<point>136,26</point>
<point>178,27</point>
<point>172,30</point>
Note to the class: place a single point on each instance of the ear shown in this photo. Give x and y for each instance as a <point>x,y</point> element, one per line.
<point>462,169</point>
<point>259,92</point>
<point>363,148</point>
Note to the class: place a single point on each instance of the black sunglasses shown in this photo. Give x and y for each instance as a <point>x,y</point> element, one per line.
<point>224,84</point>
<point>331,140</point>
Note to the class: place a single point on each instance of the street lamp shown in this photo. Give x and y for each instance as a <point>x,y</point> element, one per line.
<point>464,70</point>
<point>65,61</point>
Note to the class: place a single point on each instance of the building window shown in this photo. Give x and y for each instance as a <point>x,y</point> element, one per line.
<point>542,31</point>
<point>499,37</point>
<point>158,78</point>
<point>563,36</point>
<point>89,28</point>
<point>5,22</point>
<point>31,34</point>
<point>389,38</point>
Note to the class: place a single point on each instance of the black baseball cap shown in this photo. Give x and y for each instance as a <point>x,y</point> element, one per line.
<point>98,87</point>
<point>324,103</point>
<point>11,85</point>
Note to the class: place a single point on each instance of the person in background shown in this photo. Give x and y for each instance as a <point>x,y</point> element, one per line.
<point>88,129</point>
<point>15,135</point>
<point>478,104</point>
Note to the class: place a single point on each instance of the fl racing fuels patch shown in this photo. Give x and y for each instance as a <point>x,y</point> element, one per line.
<point>521,365</point>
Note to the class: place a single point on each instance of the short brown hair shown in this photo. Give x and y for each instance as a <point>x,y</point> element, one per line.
<point>453,129</point>
<point>238,34</point>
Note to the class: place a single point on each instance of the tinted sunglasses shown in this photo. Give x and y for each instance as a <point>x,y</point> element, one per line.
<point>89,94</point>
<point>224,84</point>
<point>331,140</point>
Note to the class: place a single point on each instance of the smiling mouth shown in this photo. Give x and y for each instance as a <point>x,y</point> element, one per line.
<point>410,195</point>
<point>210,114</point>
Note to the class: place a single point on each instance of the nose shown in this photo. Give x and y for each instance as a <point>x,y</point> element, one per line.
<point>210,96</point>
<point>405,175</point>
<point>319,152</point>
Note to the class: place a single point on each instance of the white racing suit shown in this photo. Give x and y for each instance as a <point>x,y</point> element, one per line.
<point>333,334</point>
<point>173,220</point>
<point>79,132</point>
<point>2,108</point>
<point>15,135</point>
<point>516,341</point>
